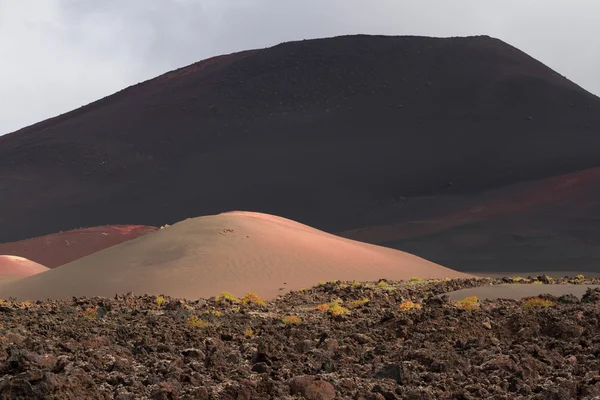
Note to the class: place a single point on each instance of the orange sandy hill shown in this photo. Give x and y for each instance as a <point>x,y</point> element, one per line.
<point>63,247</point>
<point>236,252</point>
<point>14,267</point>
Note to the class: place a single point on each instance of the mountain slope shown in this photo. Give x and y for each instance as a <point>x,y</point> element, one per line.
<point>335,133</point>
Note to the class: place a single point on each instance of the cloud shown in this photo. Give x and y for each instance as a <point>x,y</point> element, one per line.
<point>60,54</point>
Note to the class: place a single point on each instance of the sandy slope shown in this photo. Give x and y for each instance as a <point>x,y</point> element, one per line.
<point>63,247</point>
<point>14,267</point>
<point>236,252</point>
<point>519,291</point>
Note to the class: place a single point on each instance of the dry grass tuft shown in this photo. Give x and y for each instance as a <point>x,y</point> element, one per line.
<point>537,302</point>
<point>409,305</point>
<point>291,320</point>
<point>358,303</point>
<point>253,298</point>
<point>90,313</point>
<point>469,303</point>
<point>334,308</point>
<point>249,332</point>
<point>227,297</point>
<point>322,307</point>
<point>215,313</point>
<point>197,322</point>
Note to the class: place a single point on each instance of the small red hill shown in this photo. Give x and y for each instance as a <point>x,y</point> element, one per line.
<point>63,247</point>
<point>14,267</point>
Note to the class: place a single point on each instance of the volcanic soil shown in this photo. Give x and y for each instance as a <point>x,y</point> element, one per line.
<point>339,340</point>
<point>466,147</point>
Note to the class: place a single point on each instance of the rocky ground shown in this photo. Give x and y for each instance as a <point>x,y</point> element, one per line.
<point>385,340</point>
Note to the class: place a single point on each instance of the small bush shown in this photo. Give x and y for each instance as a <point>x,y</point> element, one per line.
<point>227,297</point>
<point>383,283</point>
<point>409,305</point>
<point>253,298</point>
<point>416,279</point>
<point>580,277</point>
<point>538,282</point>
<point>355,284</point>
<point>90,313</point>
<point>160,300</point>
<point>249,332</point>
<point>337,309</point>
<point>24,305</point>
<point>358,303</point>
<point>215,313</point>
<point>197,322</point>
<point>519,279</point>
<point>321,283</point>
<point>291,320</point>
<point>537,302</point>
<point>334,308</point>
<point>469,303</point>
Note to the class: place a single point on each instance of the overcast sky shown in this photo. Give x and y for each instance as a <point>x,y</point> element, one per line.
<point>56,55</point>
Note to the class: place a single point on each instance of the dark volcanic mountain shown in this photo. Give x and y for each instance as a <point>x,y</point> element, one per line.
<point>465,151</point>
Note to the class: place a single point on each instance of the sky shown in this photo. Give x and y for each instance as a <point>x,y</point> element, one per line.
<point>57,55</point>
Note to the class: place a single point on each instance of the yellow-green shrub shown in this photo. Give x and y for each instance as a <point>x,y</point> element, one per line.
<point>469,303</point>
<point>197,322</point>
<point>409,305</point>
<point>227,297</point>
<point>537,302</point>
<point>358,303</point>
<point>253,298</point>
<point>291,320</point>
<point>90,313</point>
<point>215,313</point>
